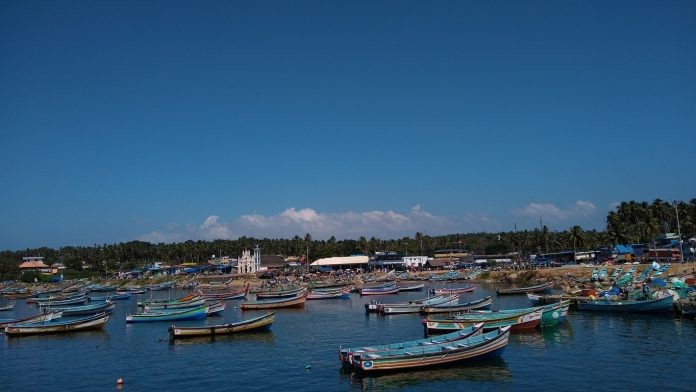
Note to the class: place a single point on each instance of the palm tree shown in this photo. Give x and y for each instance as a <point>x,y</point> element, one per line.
<point>577,235</point>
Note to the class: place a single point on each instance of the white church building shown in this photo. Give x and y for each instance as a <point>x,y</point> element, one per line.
<point>248,264</point>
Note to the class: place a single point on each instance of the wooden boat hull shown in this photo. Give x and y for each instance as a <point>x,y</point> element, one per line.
<point>467,289</point>
<point>251,325</point>
<point>278,294</point>
<point>94,322</point>
<point>72,301</point>
<point>190,314</point>
<point>665,304</point>
<point>275,304</point>
<point>346,355</point>
<point>179,305</point>
<point>344,294</point>
<point>85,309</point>
<point>478,304</point>
<point>394,290</point>
<point>517,321</point>
<point>467,349</point>
<point>524,290</point>
<point>412,288</point>
<point>9,306</point>
<point>39,318</point>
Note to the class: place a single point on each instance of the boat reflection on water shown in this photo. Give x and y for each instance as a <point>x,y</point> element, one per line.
<point>91,337</point>
<point>265,337</point>
<point>558,334</point>
<point>489,370</point>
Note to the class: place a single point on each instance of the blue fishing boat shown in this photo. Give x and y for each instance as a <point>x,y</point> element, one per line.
<point>647,306</point>
<point>346,354</point>
<point>488,344</point>
<point>96,321</point>
<point>105,306</point>
<point>186,314</point>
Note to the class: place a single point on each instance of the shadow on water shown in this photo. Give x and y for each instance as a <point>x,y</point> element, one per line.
<point>265,337</point>
<point>486,370</point>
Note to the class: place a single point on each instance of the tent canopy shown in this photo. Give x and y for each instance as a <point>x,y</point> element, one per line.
<point>348,260</point>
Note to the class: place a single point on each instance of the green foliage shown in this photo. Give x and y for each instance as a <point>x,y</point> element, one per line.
<point>31,276</point>
<point>631,222</point>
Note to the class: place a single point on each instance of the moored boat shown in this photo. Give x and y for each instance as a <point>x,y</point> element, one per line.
<point>96,321</point>
<point>627,306</point>
<point>81,310</point>
<point>297,301</point>
<point>518,321</point>
<point>481,303</point>
<point>250,325</point>
<point>412,288</point>
<point>80,299</point>
<point>345,355</point>
<point>8,306</point>
<point>523,290</point>
<point>185,314</point>
<point>45,316</point>
<point>452,290</point>
<point>491,343</point>
<point>340,294</point>
<point>279,294</point>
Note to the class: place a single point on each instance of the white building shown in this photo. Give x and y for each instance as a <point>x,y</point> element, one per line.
<point>248,264</point>
<point>415,261</point>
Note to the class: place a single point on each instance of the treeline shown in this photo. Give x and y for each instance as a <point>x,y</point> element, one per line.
<point>630,222</point>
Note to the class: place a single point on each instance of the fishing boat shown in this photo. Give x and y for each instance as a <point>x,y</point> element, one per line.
<point>452,290</point>
<point>616,273</point>
<point>81,299</point>
<point>487,344</point>
<point>644,275</point>
<point>279,293</point>
<point>481,303</point>
<point>96,321</point>
<point>340,294</point>
<point>45,316</point>
<point>375,306</point>
<point>250,325</point>
<point>198,301</point>
<point>345,355</point>
<point>523,290</point>
<point>628,306</point>
<point>297,301</point>
<point>627,277</point>
<point>554,313</point>
<point>101,288</point>
<point>161,286</point>
<point>150,301</point>
<point>8,306</point>
<point>227,295</point>
<point>595,275</point>
<point>412,288</point>
<point>387,288</point>
<point>82,310</point>
<point>185,314</point>
<point>215,308</point>
<point>660,270</point>
<point>416,306</point>
<point>518,321</point>
<point>602,274</point>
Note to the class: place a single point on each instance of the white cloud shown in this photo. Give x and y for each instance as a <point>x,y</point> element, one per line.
<point>551,212</point>
<point>210,229</point>
<point>322,225</point>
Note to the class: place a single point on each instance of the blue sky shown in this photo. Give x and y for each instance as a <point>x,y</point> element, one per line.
<point>166,120</point>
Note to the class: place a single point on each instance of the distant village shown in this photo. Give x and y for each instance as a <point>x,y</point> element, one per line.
<point>666,249</point>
